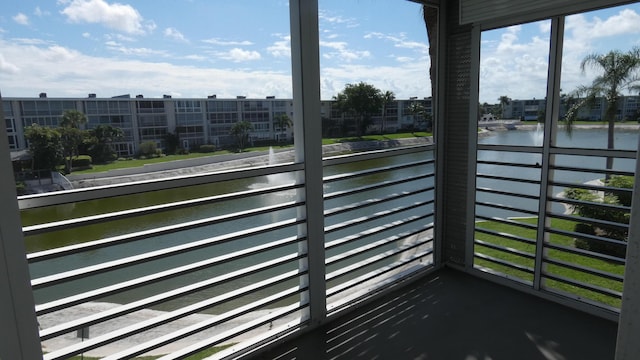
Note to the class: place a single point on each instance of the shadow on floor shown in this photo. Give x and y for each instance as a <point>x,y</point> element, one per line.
<point>453,315</point>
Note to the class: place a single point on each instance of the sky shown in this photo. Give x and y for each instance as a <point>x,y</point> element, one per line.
<point>513,60</point>
<point>196,48</point>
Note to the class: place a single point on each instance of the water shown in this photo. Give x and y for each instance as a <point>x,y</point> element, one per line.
<point>100,231</point>
<point>625,139</point>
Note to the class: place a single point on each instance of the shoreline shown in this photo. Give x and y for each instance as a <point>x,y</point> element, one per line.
<point>224,162</point>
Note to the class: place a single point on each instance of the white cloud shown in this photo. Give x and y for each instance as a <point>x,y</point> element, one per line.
<point>140,51</point>
<point>86,35</point>
<point>325,16</point>
<point>40,13</point>
<point>281,48</point>
<point>63,72</point>
<point>66,73</point>
<point>404,59</point>
<point>21,19</point>
<point>338,50</point>
<point>174,34</point>
<point>120,17</point>
<point>217,41</point>
<point>30,41</point>
<point>400,41</point>
<point>195,57</point>
<point>515,65</point>
<point>406,80</point>
<point>627,21</point>
<point>238,55</point>
<point>8,67</point>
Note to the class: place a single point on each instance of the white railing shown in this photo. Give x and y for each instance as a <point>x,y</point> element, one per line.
<point>542,242</point>
<point>218,261</point>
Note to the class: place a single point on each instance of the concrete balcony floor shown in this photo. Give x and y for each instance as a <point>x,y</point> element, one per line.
<point>453,315</point>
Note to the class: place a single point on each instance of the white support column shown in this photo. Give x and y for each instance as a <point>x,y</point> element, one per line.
<point>628,345</point>
<point>18,327</point>
<point>305,62</point>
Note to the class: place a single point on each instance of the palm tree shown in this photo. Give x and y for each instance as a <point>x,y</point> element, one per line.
<point>241,131</point>
<point>282,122</point>
<point>416,110</point>
<point>619,74</point>
<point>387,97</point>
<point>504,100</point>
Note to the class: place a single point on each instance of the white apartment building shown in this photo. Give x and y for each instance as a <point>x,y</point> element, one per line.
<point>196,121</point>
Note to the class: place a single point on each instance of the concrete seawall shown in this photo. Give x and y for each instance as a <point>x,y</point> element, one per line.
<point>224,162</point>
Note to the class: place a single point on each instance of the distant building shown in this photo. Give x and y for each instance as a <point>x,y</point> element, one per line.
<point>195,121</point>
<point>628,109</point>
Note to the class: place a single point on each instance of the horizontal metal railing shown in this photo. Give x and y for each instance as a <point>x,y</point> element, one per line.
<point>201,268</point>
<point>562,259</point>
<point>378,241</point>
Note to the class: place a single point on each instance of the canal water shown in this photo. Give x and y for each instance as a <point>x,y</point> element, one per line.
<point>115,228</point>
<point>625,139</point>
<point>579,138</point>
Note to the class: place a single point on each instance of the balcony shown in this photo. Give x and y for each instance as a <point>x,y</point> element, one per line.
<point>220,262</point>
<point>452,315</point>
<point>379,254</point>
<point>209,260</point>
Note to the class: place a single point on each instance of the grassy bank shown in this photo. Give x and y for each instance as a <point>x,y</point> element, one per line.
<point>522,253</point>
<point>131,163</point>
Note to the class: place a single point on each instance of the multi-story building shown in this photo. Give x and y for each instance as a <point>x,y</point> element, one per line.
<point>531,109</point>
<point>195,121</point>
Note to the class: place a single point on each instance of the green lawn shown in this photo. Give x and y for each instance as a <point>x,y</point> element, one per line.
<point>122,164</point>
<point>517,251</point>
<point>384,137</point>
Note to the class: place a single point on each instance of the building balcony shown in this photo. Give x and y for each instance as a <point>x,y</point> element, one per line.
<point>225,263</point>
<point>392,253</point>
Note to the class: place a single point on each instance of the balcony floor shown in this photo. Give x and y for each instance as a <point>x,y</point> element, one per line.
<point>453,315</point>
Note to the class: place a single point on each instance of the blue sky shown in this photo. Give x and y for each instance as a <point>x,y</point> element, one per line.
<point>514,59</point>
<point>194,48</point>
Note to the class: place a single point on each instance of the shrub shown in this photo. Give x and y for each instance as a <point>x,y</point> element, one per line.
<point>148,149</point>
<point>592,208</point>
<point>622,182</point>
<point>207,148</point>
<point>21,187</point>
<point>82,161</point>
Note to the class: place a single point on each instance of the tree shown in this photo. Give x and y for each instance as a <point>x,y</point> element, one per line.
<point>416,109</point>
<point>387,98</point>
<point>362,100</point>
<point>619,73</point>
<point>45,146</point>
<point>71,135</point>
<point>100,142</point>
<point>504,101</point>
<point>171,143</point>
<point>282,122</point>
<point>240,130</point>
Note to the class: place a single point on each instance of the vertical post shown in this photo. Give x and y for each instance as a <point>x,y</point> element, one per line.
<point>438,92</point>
<point>305,63</point>
<point>628,346</point>
<point>472,150</point>
<point>18,330</point>
<point>552,111</point>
